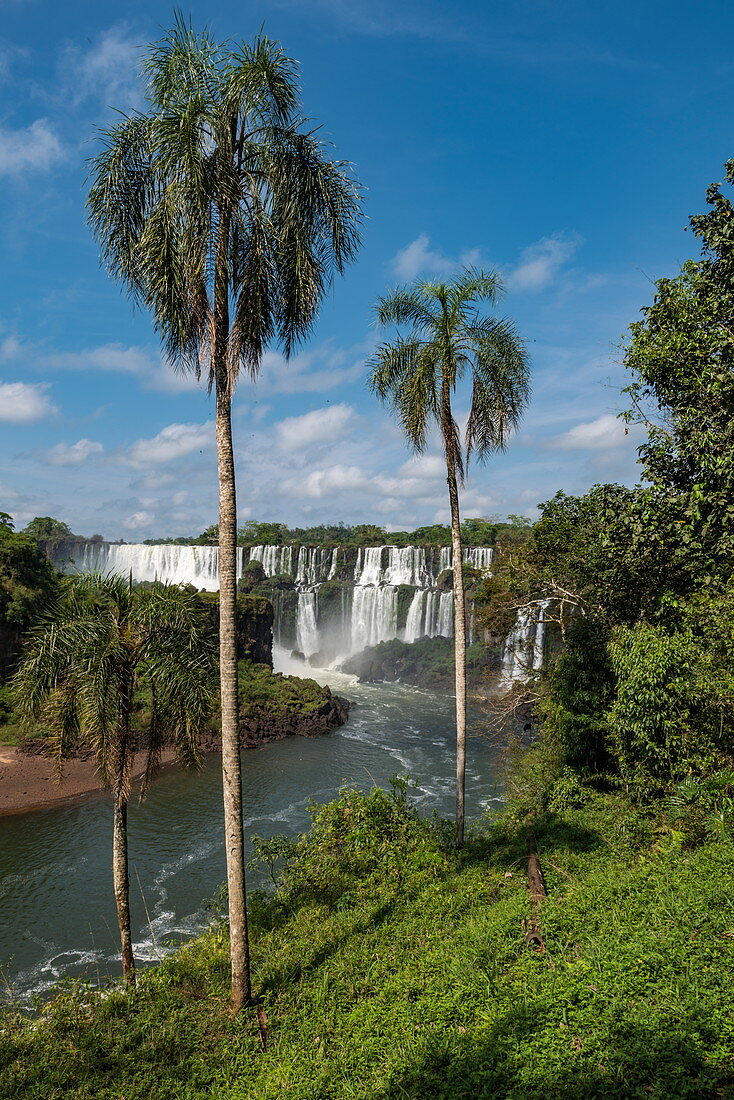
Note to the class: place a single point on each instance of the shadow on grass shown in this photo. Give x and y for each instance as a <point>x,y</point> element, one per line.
<point>636,1062</point>
<point>283,976</point>
<point>551,832</point>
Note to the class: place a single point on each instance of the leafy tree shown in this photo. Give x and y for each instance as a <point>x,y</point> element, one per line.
<point>27,583</point>
<point>449,339</point>
<point>221,212</point>
<point>45,527</point>
<point>97,646</point>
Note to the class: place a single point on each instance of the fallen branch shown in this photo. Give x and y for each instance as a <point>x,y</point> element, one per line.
<point>538,892</point>
<point>262,1022</point>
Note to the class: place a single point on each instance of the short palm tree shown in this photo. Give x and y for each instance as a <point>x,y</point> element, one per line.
<point>99,645</point>
<point>220,211</point>
<point>450,340</point>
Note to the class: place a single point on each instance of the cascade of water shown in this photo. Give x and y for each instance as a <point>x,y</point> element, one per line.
<point>197,565</point>
<point>334,563</point>
<point>446,615</point>
<point>524,650</point>
<point>414,624</point>
<point>307,631</point>
<point>371,566</point>
<point>275,560</point>
<point>374,615</point>
<point>407,565</point>
<point>480,557</point>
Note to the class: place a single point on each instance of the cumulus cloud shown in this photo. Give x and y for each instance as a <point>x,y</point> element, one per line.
<point>424,466</point>
<point>604,433</point>
<point>36,148</point>
<point>23,402</point>
<point>74,454</point>
<point>327,482</point>
<point>325,425</point>
<point>173,442</point>
<point>138,520</point>
<point>418,257</point>
<point>540,262</point>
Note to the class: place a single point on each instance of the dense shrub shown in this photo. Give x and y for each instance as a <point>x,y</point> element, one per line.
<point>667,719</point>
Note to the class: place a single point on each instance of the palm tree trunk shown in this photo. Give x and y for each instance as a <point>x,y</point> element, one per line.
<point>459,653</point>
<point>121,880</point>
<point>231,763</point>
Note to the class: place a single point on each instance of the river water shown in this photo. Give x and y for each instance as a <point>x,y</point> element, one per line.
<point>57,916</point>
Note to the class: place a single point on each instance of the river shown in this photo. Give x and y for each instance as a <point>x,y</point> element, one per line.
<point>57,916</point>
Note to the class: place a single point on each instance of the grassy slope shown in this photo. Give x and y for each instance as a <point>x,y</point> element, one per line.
<point>412,980</point>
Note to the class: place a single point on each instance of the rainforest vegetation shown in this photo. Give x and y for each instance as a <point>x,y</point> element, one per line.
<point>578,940</point>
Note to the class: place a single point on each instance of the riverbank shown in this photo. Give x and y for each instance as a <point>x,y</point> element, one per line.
<point>272,707</point>
<point>30,781</point>
<point>389,968</point>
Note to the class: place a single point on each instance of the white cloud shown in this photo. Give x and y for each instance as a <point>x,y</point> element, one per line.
<point>540,262</point>
<point>107,357</point>
<point>108,69</point>
<point>153,372</point>
<point>174,441</point>
<point>138,520</point>
<point>22,402</point>
<point>75,454</point>
<point>333,480</point>
<point>313,371</point>
<point>418,257</point>
<point>604,433</point>
<point>33,149</point>
<point>10,348</point>
<point>325,425</point>
<point>424,466</point>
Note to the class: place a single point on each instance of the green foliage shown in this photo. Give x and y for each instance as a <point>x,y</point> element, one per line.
<point>665,720</point>
<point>401,971</point>
<point>101,642</point>
<point>428,663</point>
<point>45,527</point>
<point>579,688</point>
<point>443,338</point>
<point>263,691</point>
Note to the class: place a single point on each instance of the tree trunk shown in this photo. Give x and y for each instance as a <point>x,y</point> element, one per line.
<point>121,881</point>
<point>231,763</point>
<point>459,653</point>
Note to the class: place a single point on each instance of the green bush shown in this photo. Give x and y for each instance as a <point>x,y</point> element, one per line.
<point>668,718</point>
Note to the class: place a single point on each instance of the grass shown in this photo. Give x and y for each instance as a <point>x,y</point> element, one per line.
<point>390,969</point>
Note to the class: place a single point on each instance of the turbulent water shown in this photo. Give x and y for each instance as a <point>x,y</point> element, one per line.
<point>57,917</point>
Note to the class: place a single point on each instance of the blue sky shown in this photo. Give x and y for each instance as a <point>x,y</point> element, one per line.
<point>563,142</point>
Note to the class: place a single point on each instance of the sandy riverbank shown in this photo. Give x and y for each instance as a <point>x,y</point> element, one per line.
<point>30,782</point>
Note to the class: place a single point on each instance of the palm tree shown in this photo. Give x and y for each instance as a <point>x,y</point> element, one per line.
<point>220,211</point>
<point>449,339</point>
<point>99,645</point>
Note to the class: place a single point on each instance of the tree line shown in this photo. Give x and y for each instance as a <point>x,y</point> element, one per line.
<point>639,582</point>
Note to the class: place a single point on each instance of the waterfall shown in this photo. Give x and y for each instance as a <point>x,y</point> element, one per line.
<point>307,631</point>
<point>370,564</point>
<point>524,650</point>
<point>415,623</point>
<point>374,615</point>
<point>275,560</point>
<point>366,613</point>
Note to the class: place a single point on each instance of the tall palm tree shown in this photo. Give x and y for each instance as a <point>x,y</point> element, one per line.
<point>449,340</point>
<point>221,212</point>
<point>98,645</point>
